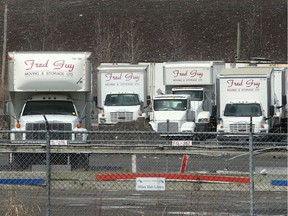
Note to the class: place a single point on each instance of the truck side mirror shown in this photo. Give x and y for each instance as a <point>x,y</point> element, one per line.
<point>271,110</point>
<point>148,100</point>
<point>284,100</point>
<point>214,110</point>
<point>6,107</point>
<point>92,109</point>
<point>95,100</point>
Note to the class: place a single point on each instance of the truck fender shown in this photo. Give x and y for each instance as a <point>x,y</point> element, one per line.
<point>153,125</point>
<point>204,117</point>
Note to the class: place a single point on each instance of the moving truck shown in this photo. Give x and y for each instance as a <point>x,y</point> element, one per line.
<point>172,115</point>
<point>122,93</point>
<point>256,93</point>
<point>198,79</point>
<point>49,90</point>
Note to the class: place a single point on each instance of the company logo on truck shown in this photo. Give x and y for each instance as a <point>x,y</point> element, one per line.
<point>188,76</point>
<point>243,85</point>
<point>122,79</point>
<point>48,67</point>
<point>187,73</point>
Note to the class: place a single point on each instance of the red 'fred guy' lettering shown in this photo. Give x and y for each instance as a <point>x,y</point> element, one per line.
<point>60,64</point>
<point>126,77</point>
<point>193,73</point>
<point>248,84</point>
<point>32,64</point>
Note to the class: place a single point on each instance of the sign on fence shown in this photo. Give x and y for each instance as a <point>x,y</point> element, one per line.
<point>150,184</point>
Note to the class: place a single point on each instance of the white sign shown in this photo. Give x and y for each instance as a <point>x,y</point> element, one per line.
<point>150,184</point>
<point>181,142</point>
<point>58,142</point>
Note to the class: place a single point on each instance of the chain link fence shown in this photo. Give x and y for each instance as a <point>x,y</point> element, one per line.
<point>125,172</point>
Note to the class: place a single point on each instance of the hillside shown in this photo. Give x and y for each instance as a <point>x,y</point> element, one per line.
<point>150,30</point>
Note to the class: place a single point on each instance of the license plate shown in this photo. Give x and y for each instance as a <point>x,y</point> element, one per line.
<point>181,142</point>
<point>58,142</point>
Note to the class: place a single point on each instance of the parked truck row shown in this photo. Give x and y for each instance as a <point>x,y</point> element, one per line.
<point>53,90</point>
<point>124,93</point>
<point>213,87</point>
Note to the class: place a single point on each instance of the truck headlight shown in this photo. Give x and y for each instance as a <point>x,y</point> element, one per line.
<point>220,128</point>
<point>16,136</point>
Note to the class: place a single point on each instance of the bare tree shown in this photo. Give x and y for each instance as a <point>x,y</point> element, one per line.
<point>43,31</point>
<point>103,42</point>
<point>117,41</point>
<point>177,41</point>
<point>135,43</point>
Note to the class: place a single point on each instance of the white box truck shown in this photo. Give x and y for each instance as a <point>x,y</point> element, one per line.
<point>172,115</point>
<point>49,90</point>
<point>198,79</point>
<point>279,86</point>
<point>255,93</point>
<point>122,93</point>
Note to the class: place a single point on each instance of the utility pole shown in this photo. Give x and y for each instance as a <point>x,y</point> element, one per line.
<point>238,41</point>
<point>4,47</point>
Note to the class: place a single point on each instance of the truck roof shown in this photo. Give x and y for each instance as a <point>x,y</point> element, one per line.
<point>247,71</point>
<point>111,66</point>
<point>192,63</point>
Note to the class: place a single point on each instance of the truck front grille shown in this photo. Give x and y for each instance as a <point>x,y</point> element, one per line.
<point>55,127</point>
<point>121,117</point>
<point>168,127</point>
<point>241,128</point>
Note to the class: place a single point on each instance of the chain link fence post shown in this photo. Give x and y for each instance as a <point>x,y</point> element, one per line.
<point>251,170</point>
<point>48,168</point>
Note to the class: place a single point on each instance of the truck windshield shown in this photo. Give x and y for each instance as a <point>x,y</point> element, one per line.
<point>250,109</point>
<point>195,95</point>
<point>49,107</point>
<point>168,105</point>
<point>122,100</point>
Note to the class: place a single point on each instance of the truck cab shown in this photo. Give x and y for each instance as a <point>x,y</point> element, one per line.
<point>172,113</point>
<point>60,113</point>
<point>237,116</point>
<point>121,107</point>
<point>200,105</point>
